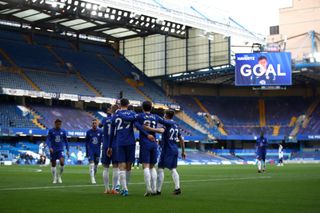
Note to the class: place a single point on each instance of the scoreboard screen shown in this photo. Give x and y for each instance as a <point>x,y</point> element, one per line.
<point>263,69</point>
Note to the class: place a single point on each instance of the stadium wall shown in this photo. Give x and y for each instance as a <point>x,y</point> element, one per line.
<point>292,26</point>
<point>159,55</point>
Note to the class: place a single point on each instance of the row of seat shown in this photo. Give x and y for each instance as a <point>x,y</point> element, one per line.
<point>107,81</point>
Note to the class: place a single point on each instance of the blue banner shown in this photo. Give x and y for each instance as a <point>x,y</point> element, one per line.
<point>263,69</point>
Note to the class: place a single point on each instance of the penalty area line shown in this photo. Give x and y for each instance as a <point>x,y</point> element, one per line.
<point>137,183</point>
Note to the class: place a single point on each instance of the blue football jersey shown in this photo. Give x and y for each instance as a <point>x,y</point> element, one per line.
<point>261,143</point>
<point>149,120</point>
<point>107,131</point>
<point>57,139</point>
<point>93,140</point>
<point>170,136</point>
<point>104,120</point>
<point>122,128</point>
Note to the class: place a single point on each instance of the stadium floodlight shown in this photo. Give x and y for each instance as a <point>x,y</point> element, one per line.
<point>88,6</point>
<point>159,21</point>
<point>53,3</point>
<point>102,14</point>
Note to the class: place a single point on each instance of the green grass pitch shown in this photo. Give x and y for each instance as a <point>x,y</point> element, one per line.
<point>234,188</point>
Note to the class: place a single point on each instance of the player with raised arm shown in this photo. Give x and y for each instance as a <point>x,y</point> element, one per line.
<point>261,151</point>
<point>169,154</point>
<point>125,143</point>
<point>106,160</point>
<point>56,140</point>
<point>93,149</point>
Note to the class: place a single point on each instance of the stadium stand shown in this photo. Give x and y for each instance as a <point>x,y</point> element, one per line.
<point>11,35</point>
<point>192,109</point>
<point>51,41</point>
<point>58,82</point>
<point>73,119</point>
<point>313,126</point>
<point>97,72</point>
<point>9,79</point>
<point>12,117</point>
<point>31,56</point>
<point>57,65</point>
<point>281,110</point>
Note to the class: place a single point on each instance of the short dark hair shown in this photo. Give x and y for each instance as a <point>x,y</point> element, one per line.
<point>130,107</point>
<point>169,113</point>
<point>108,107</point>
<point>114,108</point>
<point>262,57</point>
<point>124,102</point>
<point>57,121</point>
<point>147,106</point>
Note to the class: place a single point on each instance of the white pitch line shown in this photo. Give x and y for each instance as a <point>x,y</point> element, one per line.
<point>137,183</point>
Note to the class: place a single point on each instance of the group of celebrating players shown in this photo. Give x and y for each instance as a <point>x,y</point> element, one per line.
<point>118,148</point>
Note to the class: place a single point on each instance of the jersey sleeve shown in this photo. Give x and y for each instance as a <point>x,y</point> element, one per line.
<point>102,122</point>
<point>112,132</point>
<point>140,128</point>
<point>105,135</point>
<point>164,122</point>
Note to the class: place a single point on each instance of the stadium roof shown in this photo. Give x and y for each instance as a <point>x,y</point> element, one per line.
<point>118,19</point>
